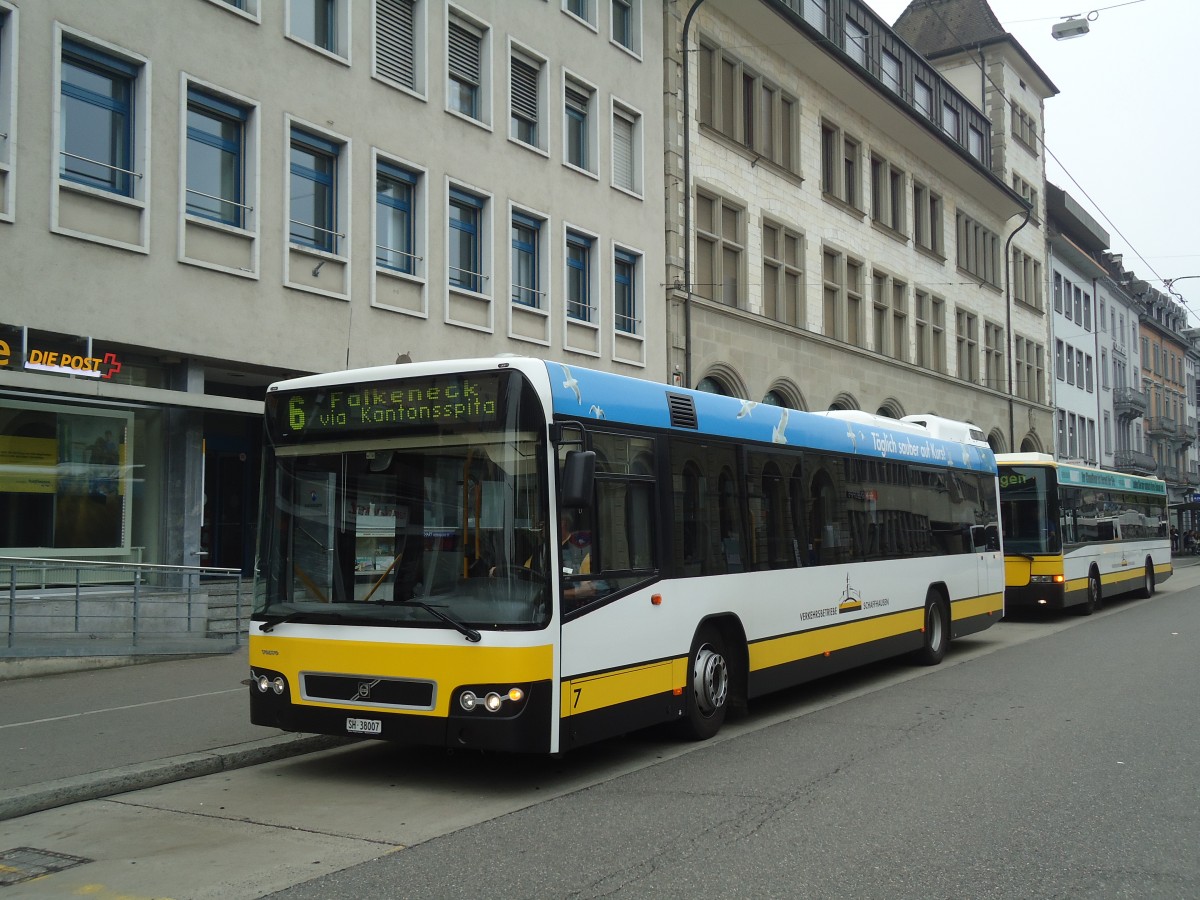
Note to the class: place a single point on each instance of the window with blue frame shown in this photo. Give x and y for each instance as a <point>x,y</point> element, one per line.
<point>580,8</point>
<point>576,109</point>
<point>395,194</point>
<point>314,191</point>
<point>625,306</point>
<point>315,21</point>
<point>216,132</point>
<point>579,278</point>
<point>465,252</point>
<point>526,262</point>
<point>97,119</point>
<point>622,23</point>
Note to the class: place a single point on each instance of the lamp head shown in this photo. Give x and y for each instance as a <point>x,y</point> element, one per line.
<point>1072,27</point>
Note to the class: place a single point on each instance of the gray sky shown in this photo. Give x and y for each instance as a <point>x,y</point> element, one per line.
<point>1123,130</point>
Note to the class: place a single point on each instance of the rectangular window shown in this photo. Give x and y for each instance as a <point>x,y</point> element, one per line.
<point>318,22</point>
<point>977,249</point>
<point>580,302</point>
<point>465,251</point>
<point>975,142</point>
<point>855,332</point>
<point>993,356</point>
<point>526,261</point>
<point>927,219</point>
<point>395,200</point>
<point>923,98</point>
<point>627,316</point>
<point>839,165</point>
<point>577,119</point>
<point>1024,128</point>
<point>525,76</point>
<point>396,45</point>
<point>887,194</point>
<point>950,121</point>
<point>856,42</point>
<point>215,158</point>
<point>1059,366</point>
<point>719,244</point>
<point>891,71</point>
<point>581,9</point>
<point>966,327</point>
<point>832,294</point>
<point>8,43</point>
<point>314,163</point>
<point>465,68</point>
<point>816,14</point>
<point>783,274</point>
<point>938,326</point>
<point>627,155</point>
<point>624,24</point>
<point>1058,292</point>
<point>97,131</point>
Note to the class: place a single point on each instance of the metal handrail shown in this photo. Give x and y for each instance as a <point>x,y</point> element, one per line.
<point>219,199</point>
<point>400,252</point>
<point>470,272</point>
<point>99,163</point>
<point>119,565</point>
<point>317,227</point>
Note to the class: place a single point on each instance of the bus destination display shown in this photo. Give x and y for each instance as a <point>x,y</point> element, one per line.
<point>412,402</point>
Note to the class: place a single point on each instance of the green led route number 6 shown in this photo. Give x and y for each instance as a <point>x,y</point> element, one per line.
<point>296,414</point>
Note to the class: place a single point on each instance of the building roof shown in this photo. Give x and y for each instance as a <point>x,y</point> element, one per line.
<point>937,28</point>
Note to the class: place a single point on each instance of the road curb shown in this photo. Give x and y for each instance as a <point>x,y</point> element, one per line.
<point>77,789</point>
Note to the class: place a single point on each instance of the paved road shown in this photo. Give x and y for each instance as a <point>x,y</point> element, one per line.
<point>786,798</point>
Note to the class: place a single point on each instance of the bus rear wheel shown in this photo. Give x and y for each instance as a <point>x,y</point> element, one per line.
<point>936,636</point>
<point>1147,590</point>
<point>708,687</point>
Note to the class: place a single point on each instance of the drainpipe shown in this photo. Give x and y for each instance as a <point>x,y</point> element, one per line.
<point>1008,327</point>
<point>687,198</point>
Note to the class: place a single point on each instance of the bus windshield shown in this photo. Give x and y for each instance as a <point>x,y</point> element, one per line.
<point>1028,510</point>
<point>436,524</point>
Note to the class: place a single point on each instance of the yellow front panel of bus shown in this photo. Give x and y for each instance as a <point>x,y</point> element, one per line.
<point>1018,569</point>
<point>446,666</point>
<point>594,692</point>
<point>792,647</point>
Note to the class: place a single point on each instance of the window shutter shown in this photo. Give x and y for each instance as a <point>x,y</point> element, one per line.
<point>395,41</point>
<point>577,99</point>
<point>524,90</point>
<point>623,152</point>
<point>464,54</point>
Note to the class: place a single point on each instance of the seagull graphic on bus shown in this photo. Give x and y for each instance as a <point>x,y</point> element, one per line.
<point>571,384</point>
<point>778,433</point>
<point>747,407</point>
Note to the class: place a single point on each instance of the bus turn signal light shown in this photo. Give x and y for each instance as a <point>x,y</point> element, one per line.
<point>656,599</point>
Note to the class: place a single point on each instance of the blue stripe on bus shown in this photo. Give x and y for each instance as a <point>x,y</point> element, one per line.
<point>590,394</point>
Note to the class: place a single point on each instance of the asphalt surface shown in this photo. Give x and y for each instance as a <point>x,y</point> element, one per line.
<point>80,735</point>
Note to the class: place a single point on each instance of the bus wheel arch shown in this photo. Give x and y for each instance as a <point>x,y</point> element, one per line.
<point>935,626</point>
<point>716,676</point>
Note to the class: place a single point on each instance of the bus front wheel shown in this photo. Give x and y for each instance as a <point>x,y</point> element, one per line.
<point>1094,598</point>
<point>708,687</point>
<point>936,633</point>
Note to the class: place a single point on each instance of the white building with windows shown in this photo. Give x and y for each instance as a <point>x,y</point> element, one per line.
<point>197,203</point>
<point>840,211</point>
<point>1083,344</point>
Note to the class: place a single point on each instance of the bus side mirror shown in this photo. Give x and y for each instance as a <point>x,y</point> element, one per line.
<point>578,478</point>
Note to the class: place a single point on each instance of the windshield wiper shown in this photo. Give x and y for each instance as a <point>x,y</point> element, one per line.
<point>461,627</point>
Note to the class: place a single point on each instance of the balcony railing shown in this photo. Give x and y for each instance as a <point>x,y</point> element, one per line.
<point>1134,462</point>
<point>1130,403</point>
<point>1164,425</point>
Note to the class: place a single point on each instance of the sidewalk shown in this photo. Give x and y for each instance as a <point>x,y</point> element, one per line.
<point>76,736</point>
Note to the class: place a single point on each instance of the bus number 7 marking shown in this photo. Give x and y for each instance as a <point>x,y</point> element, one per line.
<point>576,692</point>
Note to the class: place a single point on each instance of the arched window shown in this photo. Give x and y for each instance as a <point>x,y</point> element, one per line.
<point>774,398</point>
<point>712,386</point>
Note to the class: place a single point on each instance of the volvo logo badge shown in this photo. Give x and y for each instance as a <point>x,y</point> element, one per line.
<point>364,690</point>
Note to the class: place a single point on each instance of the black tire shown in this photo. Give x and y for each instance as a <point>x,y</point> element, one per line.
<point>708,686</point>
<point>1094,599</point>
<point>936,631</point>
<point>1147,590</point>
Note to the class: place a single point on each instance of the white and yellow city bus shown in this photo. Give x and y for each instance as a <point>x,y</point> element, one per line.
<point>1076,535</point>
<point>418,578</point>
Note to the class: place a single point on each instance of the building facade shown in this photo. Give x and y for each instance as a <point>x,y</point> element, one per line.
<point>195,205</point>
<point>837,234</point>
